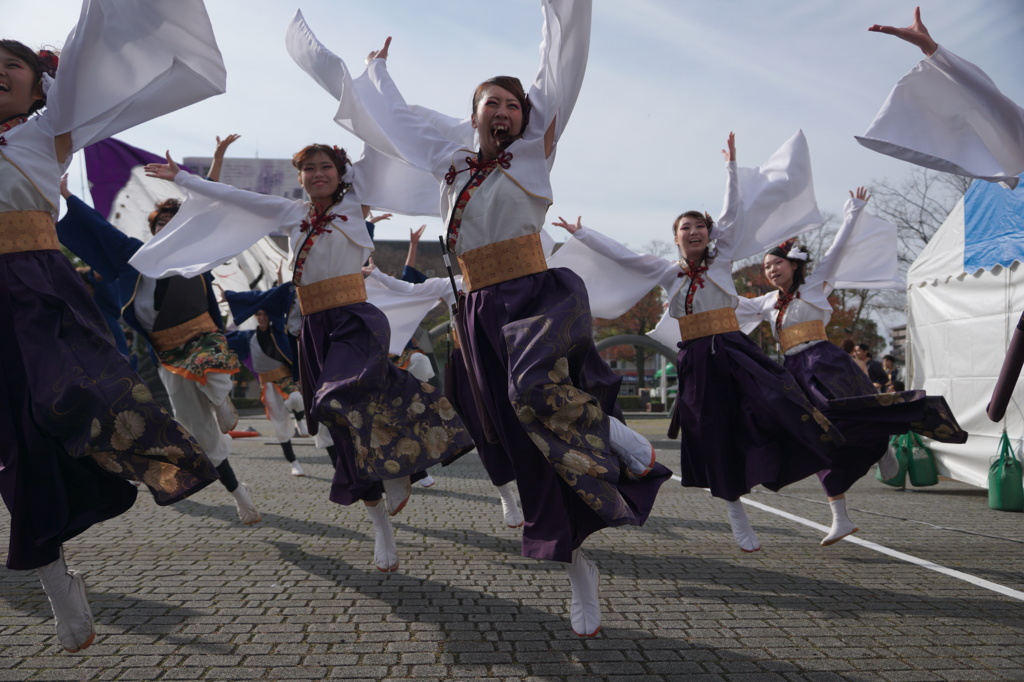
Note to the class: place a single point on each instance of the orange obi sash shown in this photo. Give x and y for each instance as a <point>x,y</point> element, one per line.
<point>790,337</point>
<point>712,322</point>
<point>282,372</point>
<point>27,231</point>
<point>502,261</point>
<point>331,293</point>
<point>180,334</point>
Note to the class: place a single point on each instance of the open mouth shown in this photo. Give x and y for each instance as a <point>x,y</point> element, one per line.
<point>4,87</point>
<point>501,132</point>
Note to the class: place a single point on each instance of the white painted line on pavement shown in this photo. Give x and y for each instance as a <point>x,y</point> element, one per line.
<point>931,566</point>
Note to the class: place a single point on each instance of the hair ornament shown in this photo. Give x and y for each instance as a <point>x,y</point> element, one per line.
<point>49,60</point>
<point>791,250</point>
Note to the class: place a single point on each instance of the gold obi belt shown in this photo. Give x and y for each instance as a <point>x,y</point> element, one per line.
<point>282,372</point>
<point>27,231</point>
<point>502,261</point>
<point>790,337</point>
<point>331,293</point>
<point>180,334</point>
<point>713,322</point>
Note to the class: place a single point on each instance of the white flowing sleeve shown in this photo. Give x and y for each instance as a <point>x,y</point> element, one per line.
<point>404,304</point>
<point>371,107</point>
<point>131,61</point>
<point>432,288</point>
<point>771,203</point>
<point>564,50</point>
<point>865,257</point>
<point>216,222</point>
<point>751,312</point>
<point>948,115</point>
<point>615,276</point>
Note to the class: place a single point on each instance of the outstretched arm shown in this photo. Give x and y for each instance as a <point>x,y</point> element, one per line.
<point>916,34</point>
<point>414,242</point>
<point>840,249</point>
<point>730,153</point>
<point>218,156</point>
<point>572,228</point>
<point>164,171</point>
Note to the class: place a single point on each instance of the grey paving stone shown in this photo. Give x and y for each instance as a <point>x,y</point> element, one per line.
<point>187,593</point>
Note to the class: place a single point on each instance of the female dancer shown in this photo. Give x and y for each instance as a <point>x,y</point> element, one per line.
<point>798,313</point>
<point>743,419</point>
<point>78,422</point>
<point>528,338</point>
<point>181,321</point>
<point>385,424</point>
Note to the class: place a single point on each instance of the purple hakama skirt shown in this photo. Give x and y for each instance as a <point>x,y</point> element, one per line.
<point>744,420</point>
<point>866,418</point>
<point>76,422</point>
<point>529,342</point>
<point>385,423</point>
<point>496,461</point>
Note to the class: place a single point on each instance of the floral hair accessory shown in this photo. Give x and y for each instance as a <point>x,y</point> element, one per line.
<point>49,60</point>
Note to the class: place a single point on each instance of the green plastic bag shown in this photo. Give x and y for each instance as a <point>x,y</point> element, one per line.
<point>898,447</point>
<point>922,468</point>
<point>1005,482</point>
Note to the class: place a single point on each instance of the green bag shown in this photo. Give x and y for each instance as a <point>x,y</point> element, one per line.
<point>1005,482</point>
<point>922,468</point>
<point>898,448</point>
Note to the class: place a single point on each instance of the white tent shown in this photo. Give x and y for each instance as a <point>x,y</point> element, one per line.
<point>965,295</point>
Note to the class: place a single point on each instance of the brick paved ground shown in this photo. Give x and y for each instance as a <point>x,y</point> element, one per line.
<point>187,592</point>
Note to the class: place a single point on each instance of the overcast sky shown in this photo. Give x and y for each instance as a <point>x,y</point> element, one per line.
<point>666,82</point>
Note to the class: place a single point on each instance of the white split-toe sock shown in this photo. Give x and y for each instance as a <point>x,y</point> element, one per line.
<point>841,523</point>
<point>585,581</point>
<point>396,493</point>
<point>635,451</point>
<point>742,532</point>
<point>385,551</point>
<point>509,506</point>
<point>247,510</point>
<point>427,481</point>
<point>66,591</point>
<point>297,469</point>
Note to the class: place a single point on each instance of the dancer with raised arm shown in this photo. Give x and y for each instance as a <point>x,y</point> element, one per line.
<point>385,424</point>
<point>180,320</point>
<point>798,313</point>
<point>948,115</point>
<point>78,422</point>
<point>743,420</point>
<point>525,330</point>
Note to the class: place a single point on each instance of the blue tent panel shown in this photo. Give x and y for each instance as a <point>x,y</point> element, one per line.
<point>993,225</point>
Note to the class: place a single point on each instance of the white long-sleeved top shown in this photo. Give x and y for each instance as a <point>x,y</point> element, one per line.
<point>763,206</point>
<point>513,201</point>
<point>862,255</point>
<point>217,222</point>
<point>117,69</point>
<point>406,304</point>
<point>948,115</point>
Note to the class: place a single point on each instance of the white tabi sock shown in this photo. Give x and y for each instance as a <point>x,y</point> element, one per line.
<point>841,523</point>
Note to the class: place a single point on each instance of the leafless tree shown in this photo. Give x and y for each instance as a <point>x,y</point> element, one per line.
<point>918,204</point>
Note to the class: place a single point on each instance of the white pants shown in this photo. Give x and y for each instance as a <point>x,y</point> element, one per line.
<point>279,411</point>
<point>323,439</point>
<point>193,405</point>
